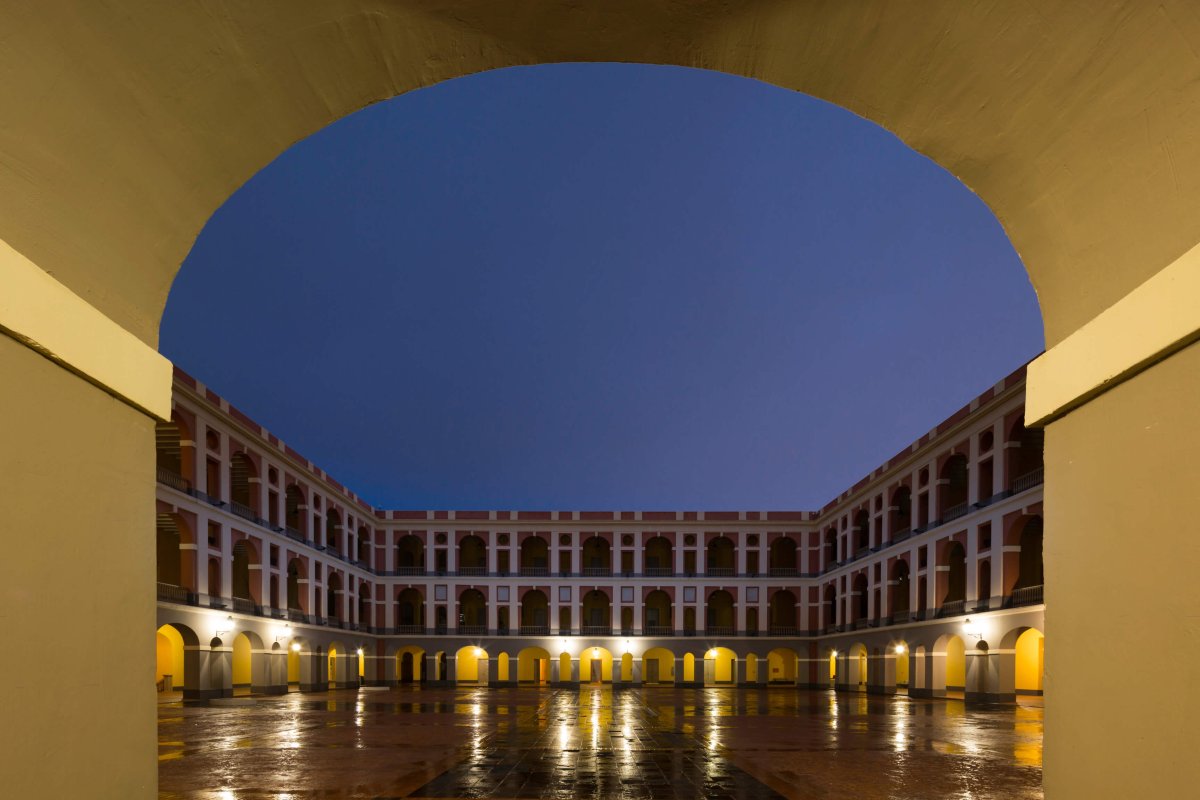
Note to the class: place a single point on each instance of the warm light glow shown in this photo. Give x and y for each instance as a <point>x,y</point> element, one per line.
<point>712,653</point>
<point>595,652</point>
<point>478,652</point>
<point>834,653</point>
<point>899,649</point>
<point>626,650</point>
<point>970,627</point>
<point>296,647</point>
<point>360,651</point>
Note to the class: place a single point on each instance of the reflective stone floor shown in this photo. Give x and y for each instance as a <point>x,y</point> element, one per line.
<point>598,743</point>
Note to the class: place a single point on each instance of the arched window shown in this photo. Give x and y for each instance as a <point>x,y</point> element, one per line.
<point>783,556</point>
<point>900,588</point>
<point>956,578</point>
<point>597,556</point>
<point>333,531</point>
<point>535,558</point>
<point>658,559</point>
<point>862,598</point>
<point>410,555</point>
<point>657,619</point>
<point>240,572</point>
<point>243,488</point>
<point>901,511</point>
<point>472,556</point>
<point>783,613</point>
<point>1030,571</point>
<point>535,613</point>
<point>410,611</point>
<point>719,617</point>
<point>953,492</point>
<point>472,612</point>
<point>294,509</point>
<point>597,613</point>
<point>719,558</point>
<point>294,574</point>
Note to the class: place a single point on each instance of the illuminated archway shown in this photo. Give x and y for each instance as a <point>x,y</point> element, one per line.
<point>782,665</point>
<point>533,666</point>
<point>720,667</point>
<point>592,657</point>
<point>471,665</point>
<point>658,666</point>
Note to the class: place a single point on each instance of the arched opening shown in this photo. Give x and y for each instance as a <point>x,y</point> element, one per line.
<point>719,558</point>
<point>365,617</point>
<point>247,658</point>
<point>719,614</point>
<point>174,454</point>
<point>295,512</point>
<point>949,667</point>
<point>244,591</point>
<point>502,668</point>
<point>657,619</point>
<point>830,548</point>
<point>534,556</point>
<point>472,556</point>
<point>783,557</point>
<point>1024,451</point>
<point>410,555</point>
<point>333,532</point>
<point>333,607</point>
<point>658,558</point>
<point>658,666</point>
<point>783,665</point>
<point>862,531</point>
<point>597,556</point>
<point>720,667</point>
<point>900,589</point>
<point>952,494</point>
<point>595,665</point>
<point>1030,656</point>
<point>566,668</point>
<point>597,614</point>
<point>901,656</point>
<point>535,613</point>
<point>1030,575</point>
<point>829,608</point>
<point>243,485</point>
<point>472,612</point>
<point>901,513</point>
<point>954,599</point>
<point>533,666</point>
<point>783,613</point>
<point>410,611</point>
<point>689,669</point>
<point>295,598</point>
<point>171,675</point>
<point>168,559</point>
<point>627,668</point>
<point>857,668</point>
<point>364,547</point>
<point>470,665</point>
<point>861,598</point>
<point>410,664</point>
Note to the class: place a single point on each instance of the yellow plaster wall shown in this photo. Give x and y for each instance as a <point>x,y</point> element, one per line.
<point>666,663</point>
<point>585,664</point>
<point>902,666</point>
<point>241,660</point>
<point>169,655</point>
<point>1030,653</point>
<point>466,665</point>
<point>956,662</point>
<point>77,469</point>
<point>1120,493</point>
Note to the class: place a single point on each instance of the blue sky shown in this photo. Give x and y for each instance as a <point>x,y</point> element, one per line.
<point>601,287</point>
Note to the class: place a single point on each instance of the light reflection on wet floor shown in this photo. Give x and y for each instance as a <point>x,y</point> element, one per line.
<point>597,742</point>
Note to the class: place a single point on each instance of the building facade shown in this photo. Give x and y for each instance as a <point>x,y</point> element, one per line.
<point>924,577</point>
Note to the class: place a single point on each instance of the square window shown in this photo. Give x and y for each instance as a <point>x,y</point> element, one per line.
<point>689,594</point>
<point>439,592</point>
<point>626,594</point>
<point>502,594</point>
<point>564,594</point>
<point>752,594</point>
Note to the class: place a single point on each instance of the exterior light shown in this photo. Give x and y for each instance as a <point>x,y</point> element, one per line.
<point>295,647</point>
<point>899,649</point>
<point>224,626</point>
<point>595,652</point>
<point>283,633</point>
<point>626,646</point>
<point>478,652</point>
<point>360,651</point>
<point>972,629</point>
<point>712,653</point>
<point>833,653</point>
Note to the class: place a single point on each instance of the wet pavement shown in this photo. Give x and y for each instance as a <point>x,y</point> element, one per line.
<point>595,742</point>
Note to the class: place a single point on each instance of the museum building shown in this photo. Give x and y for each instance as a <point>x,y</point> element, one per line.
<point>924,577</point>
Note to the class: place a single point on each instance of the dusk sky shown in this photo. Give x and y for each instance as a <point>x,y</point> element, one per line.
<point>601,287</point>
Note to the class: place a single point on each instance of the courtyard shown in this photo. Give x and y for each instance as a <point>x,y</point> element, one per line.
<point>594,741</point>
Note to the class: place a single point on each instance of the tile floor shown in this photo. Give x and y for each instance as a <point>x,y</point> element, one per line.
<point>599,743</point>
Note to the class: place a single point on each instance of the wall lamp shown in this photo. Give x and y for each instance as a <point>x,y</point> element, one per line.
<point>972,629</point>
<point>283,633</point>
<point>228,626</point>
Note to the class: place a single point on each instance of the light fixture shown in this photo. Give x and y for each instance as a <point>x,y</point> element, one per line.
<point>712,653</point>
<point>972,629</point>
<point>295,647</point>
<point>283,633</point>
<point>360,651</point>
<point>833,653</point>
<point>899,649</point>
<point>478,652</point>
<point>228,623</point>
<point>595,652</point>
